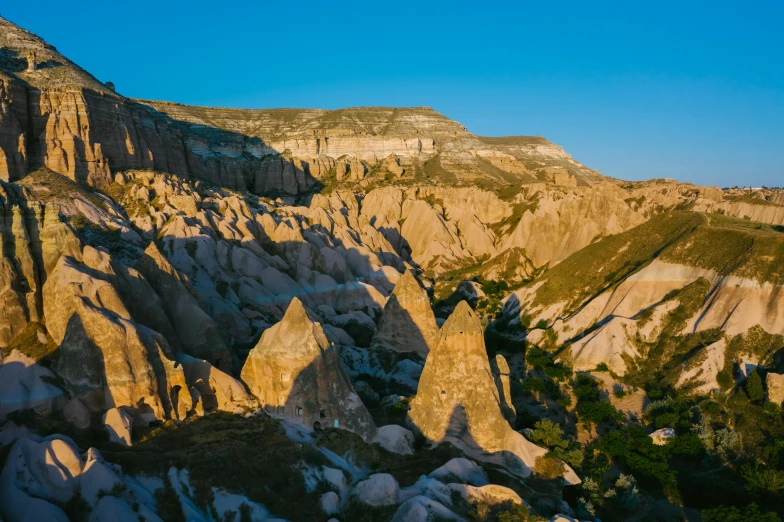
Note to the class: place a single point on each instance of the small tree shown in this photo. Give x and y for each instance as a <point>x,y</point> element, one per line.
<point>754,388</point>
<point>549,434</point>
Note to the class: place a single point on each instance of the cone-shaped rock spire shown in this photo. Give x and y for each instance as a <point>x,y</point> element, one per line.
<point>408,323</point>
<point>458,399</point>
<point>296,374</point>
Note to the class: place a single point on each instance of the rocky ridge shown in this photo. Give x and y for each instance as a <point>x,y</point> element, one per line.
<point>162,262</point>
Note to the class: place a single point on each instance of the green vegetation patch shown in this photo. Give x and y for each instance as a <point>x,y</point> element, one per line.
<point>49,185</point>
<point>602,265</point>
<point>230,452</point>
<point>718,249</point>
<point>756,343</point>
<point>661,362</point>
<point>28,341</point>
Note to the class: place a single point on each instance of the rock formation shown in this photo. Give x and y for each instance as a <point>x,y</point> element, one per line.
<point>775,385</point>
<point>408,323</point>
<point>106,358</point>
<point>196,330</point>
<point>458,400</point>
<point>297,375</point>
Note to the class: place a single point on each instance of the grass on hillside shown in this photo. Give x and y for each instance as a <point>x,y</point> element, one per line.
<point>733,246</point>
<point>601,265</point>
<point>29,343</point>
<point>48,185</point>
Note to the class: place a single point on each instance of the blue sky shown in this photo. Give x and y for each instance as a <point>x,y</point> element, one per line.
<point>690,90</point>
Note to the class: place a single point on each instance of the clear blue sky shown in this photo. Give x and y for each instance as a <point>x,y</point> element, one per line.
<point>691,90</point>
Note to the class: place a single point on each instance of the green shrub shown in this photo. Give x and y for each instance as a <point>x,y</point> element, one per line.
<point>733,514</point>
<point>754,388</point>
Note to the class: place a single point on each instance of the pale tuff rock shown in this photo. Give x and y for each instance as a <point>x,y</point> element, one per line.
<point>458,400</point>
<point>19,277</point>
<point>608,344</point>
<point>461,470</point>
<point>111,508</point>
<point>423,509</point>
<point>475,236</point>
<point>490,494</point>
<point>36,471</point>
<point>330,503</point>
<point>406,372</point>
<point>198,333</point>
<point>42,474</point>
<point>296,374</point>
<point>395,439</point>
<point>106,358</point>
<point>22,386</point>
<point>77,414</point>
<point>566,221</point>
<point>218,390</point>
<point>661,437</point>
<point>407,323</point>
<point>485,205</point>
<point>380,489</point>
<point>119,425</point>
<point>511,265</point>
<point>704,374</point>
<point>763,212</point>
<point>775,384</point>
<point>429,235</point>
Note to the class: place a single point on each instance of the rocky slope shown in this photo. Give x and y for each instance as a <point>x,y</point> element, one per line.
<point>166,267</point>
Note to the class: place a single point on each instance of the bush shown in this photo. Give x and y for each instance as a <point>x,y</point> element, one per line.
<point>754,388</point>
<point>549,434</point>
<point>548,468</point>
<point>596,412</point>
<point>760,479</point>
<point>602,367</point>
<point>532,384</point>
<point>733,514</point>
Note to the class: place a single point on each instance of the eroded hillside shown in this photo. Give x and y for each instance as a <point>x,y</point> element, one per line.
<point>382,307</point>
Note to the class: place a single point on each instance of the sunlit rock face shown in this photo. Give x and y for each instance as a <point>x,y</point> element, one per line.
<point>296,374</point>
<point>458,400</point>
<point>106,357</point>
<point>408,323</point>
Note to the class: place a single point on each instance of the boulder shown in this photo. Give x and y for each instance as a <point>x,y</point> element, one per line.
<point>491,494</point>
<point>225,393</point>
<point>22,386</point>
<point>662,436</point>
<point>407,323</point>
<point>461,470</point>
<point>407,373</point>
<point>396,439</point>
<point>775,382</point>
<point>423,509</point>
<point>77,414</point>
<point>118,424</point>
<point>330,503</point>
<point>380,489</point>
<point>297,374</point>
<point>36,472</point>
